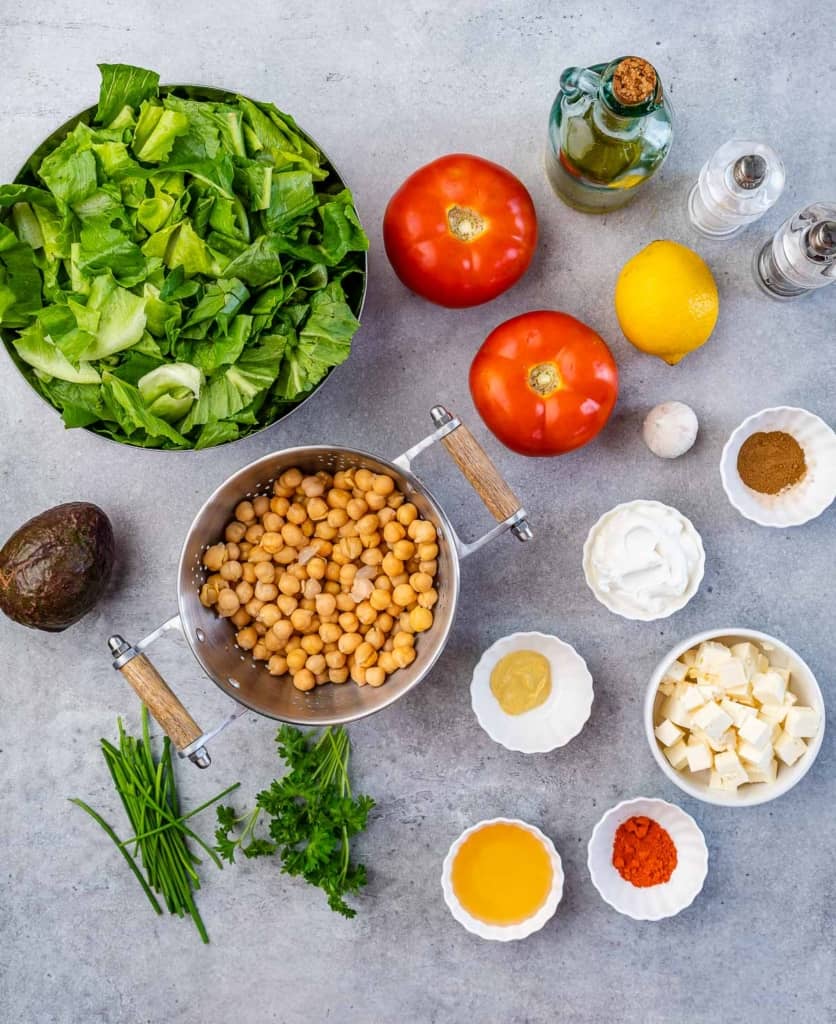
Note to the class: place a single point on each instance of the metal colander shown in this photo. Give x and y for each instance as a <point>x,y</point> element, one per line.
<point>212,639</point>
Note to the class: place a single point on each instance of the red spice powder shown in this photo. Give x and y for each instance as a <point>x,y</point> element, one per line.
<point>643,853</point>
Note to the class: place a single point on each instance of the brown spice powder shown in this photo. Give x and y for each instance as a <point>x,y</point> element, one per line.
<point>770,462</point>
<point>634,80</point>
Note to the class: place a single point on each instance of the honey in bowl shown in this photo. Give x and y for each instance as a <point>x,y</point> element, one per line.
<point>521,681</point>
<point>502,874</point>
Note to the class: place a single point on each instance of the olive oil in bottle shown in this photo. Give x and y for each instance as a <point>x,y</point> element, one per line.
<point>610,130</point>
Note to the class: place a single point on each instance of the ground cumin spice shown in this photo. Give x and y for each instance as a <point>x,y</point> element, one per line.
<point>769,462</point>
<point>643,853</point>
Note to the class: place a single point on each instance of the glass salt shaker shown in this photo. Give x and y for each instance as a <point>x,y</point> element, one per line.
<point>801,255</point>
<point>740,182</point>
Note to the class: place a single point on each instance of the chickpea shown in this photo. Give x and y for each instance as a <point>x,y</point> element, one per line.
<point>386,662</point>
<point>296,659</point>
<point>245,512</point>
<point>269,615</point>
<point>349,642</point>
<point>293,536</point>
<point>287,556</point>
<point>246,638</point>
<point>403,549</point>
<point>403,595</point>
<point>347,574</point>
<point>403,656</point>
<point>392,565</point>
<point>312,643</point>
<point>214,557</point>
<point>430,568</point>
<point>338,675</point>
<point>316,567</point>
<point>317,509</point>
<point>261,505</point>
<point>254,533</point>
<point>335,659</point>
<point>272,642</point>
<point>299,572</point>
<point>208,595</point>
<point>365,613</point>
<point>379,599</point>
<point>272,541</point>
<point>345,602</point>
<point>272,522</point>
<point>420,619</point>
<point>260,652</point>
<point>287,604</point>
<point>349,623</point>
<point>383,485</point>
<point>399,580</point>
<point>428,599</point>
<point>395,500</point>
<point>248,572</point>
<point>316,664</point>
<point>337,500</point>
<point>282,492</point>
<point>407,514</point>
<point>311,487</point>
<point>332,587</point>
<point>234,532</point>
<point>368,524</point>
<point>228,603</point>
<point>371,541</point>
<point>253,607</point>
<point>372,556</point>
<point>241,618</point>
<point>385,621</point>
<point>386,516</point>
<point>326,604</point>
<point>233,553</point>
<point>289,585</point>
<point>393,532</point>
<point>294,643</point>
<point>356,508</point>
<point>279,505</point>
<point>365,655</point>
<point>375,676</point>
<point>296,514</point>
<point>265,572</point>
<point>375,637</point>
<point>302,619</point>
<point>351,548</point>
<point>258,554</point>
<point>266,591</point>
<point>375,501</point>
<point>277,665</point>
<point>304,680</point>
<point>291,478</point>
<point>283,629</point>
<point>330,632</point>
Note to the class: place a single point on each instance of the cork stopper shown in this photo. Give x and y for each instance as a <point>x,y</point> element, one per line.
<point>634,81</point>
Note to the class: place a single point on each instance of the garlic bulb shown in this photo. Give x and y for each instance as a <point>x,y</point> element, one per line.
<point>670,429</point>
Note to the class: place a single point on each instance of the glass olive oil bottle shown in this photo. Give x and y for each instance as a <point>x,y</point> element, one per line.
<point>610,129</point>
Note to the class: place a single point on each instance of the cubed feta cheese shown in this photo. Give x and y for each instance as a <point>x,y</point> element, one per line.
<point>763,663</point>
<point>693,697</point>
<point>715,745</point>
<point>689,658</point>
<point>712,719</point>
<point>667,733</point>
<point>711,655</point>
<point>666,688</point>
<point>790,698</point>
<point>699,757</point>
<point>732,675</point>
<point>674,709</point>
<point>784,673</point>
<point>802,721</point>
<point>769,687</point>
<point>755,731</point>
<point>773,712</point>
<point>789,748</point>
<point>677,755</point>
<point>752,755</point>
<point>768,774</point>
<point>730,769</point>
<point>676,672</point>
<point>747,654</point>
<point>739,712</point>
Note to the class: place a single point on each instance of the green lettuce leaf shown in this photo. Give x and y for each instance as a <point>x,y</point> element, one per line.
<point>124,86</point>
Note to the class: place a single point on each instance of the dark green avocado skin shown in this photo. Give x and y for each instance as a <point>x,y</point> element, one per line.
<point>56,567</point>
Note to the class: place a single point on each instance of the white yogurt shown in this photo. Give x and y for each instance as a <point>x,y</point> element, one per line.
<point>643,560</point>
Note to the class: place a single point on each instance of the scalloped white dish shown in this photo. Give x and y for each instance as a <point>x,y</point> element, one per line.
<point>811,495</point>
<point>506,932</point>
<point>555,722</point>
<point>625,603</point>
<point>656,901</point>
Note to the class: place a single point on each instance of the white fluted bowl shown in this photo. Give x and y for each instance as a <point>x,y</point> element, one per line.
<point>504,932</point>
<point>657,901</point>
<point>811,495</point>
<point>559,719</point>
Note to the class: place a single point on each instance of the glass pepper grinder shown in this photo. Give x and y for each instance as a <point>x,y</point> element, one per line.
<point>801,255</point>
<point>740,182</point>
<point>610,129</point>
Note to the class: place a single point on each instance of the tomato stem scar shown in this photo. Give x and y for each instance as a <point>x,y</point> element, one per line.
<point>544,379</point>
<point>464,223</point>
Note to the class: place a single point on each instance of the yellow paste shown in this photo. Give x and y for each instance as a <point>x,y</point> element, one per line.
<point>502,874</point>
<point>521,681</point>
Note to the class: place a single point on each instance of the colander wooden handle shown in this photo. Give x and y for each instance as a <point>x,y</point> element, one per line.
<point>160,699</point>
<point>481,473</point>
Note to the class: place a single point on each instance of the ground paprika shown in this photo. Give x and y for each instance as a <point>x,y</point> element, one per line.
<point>643,853</point>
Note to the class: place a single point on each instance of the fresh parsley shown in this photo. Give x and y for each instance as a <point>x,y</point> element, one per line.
<point>312,816</point>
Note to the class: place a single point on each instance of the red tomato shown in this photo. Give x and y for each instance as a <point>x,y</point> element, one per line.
<point>460,231</point>
<point>544,383</point>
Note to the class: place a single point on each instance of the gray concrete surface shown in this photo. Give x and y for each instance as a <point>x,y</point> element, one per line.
<point>386,87</point>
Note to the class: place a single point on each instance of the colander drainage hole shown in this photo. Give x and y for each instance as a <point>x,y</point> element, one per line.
<point>233,682</point>
<point>200,635</point>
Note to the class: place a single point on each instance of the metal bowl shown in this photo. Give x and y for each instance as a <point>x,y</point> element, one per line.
<point>355,287</point>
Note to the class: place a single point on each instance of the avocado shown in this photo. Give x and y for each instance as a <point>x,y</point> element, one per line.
<point>54,568</point>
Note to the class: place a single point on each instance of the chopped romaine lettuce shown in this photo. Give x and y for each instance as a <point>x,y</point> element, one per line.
<point>173,273</point>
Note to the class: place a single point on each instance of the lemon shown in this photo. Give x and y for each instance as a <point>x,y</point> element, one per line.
<point>666,300</point>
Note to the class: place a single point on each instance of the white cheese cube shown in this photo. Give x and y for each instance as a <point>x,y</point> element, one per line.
<point>699,757</point>
<point>675,710</point>
<point>693,697</point>
<point>676,672</point>
<point>773,712</point>
<point>716,745</point>
<point>747,654</point>
<point>755,731</point>
<point>802,721</point>
<point>712,719</point>
<point>731,771</point>
<point>711,655</point>
<point>752,755</point>
<point>768,774</point>
<point>667,733</point>
<point>789,748</point>
<point>784,673</point>
<point>677,755</point>
<point>709,691</point>
<point>739,712</point>
<point>666,688</point>
<point>790,698</point>
<point>728,783</point>
<point>731,675</point>
<point>689,658</point>
<point>763,663</point>
<point>769,687</point>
